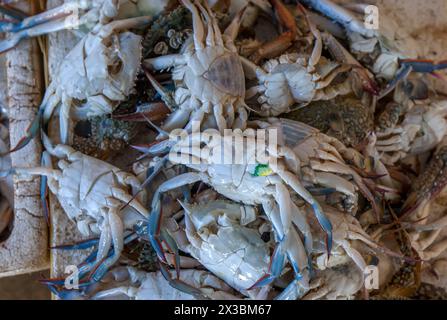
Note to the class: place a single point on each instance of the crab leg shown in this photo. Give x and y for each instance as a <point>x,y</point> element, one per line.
<point>318,47</point>
<point>11,12</point>
<point>233,29</point>
<point>340,15</point>
<point>199,30</point>
<point>291,247</point>
<point>412,65</point>
<point>116,227</point>
<point>155,216</point>
<point>36,31</point>
<point>296,185</point>
<point>343,56</point>
<point>57,13</point>
<point>278,257</point>
<point>275,47</point>
<point>424,66</point>
<point>300,221</point>
<point>105,240</point>
<point>83,269</point>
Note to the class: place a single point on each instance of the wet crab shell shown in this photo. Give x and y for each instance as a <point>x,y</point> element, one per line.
<point>100,70</point>
<point>227,246</point>
<point>343,118</point>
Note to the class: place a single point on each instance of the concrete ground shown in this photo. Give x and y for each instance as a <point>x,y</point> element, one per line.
<point>24,287</point>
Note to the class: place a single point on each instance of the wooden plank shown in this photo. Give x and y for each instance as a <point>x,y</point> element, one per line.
<point>26,250</point>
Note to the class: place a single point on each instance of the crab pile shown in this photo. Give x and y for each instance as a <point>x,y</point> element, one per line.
<point>244,149</point>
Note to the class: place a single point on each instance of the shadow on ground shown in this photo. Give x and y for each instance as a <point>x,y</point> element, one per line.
<point>24,287</point>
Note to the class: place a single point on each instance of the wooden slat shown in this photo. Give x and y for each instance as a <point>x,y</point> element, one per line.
<point>26,250</point>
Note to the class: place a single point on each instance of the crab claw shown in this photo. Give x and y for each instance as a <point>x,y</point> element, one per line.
<point>424,66</point>
<point>402,74</point>
<point>340,15</point>
<point>275,268</point>
<point>294,291</point>
<point>153,230</point>
<point>165,95</point>
<point>65,294</point>
<point>179,284</point>
<point>325,224</point>
<point>413,65</point>
<point>282,42</point>
<point>298,287</point>
<point>31,133</point>
<point>13,13</point>
<point>99,269</point>
<point>46,22</point>
<point>81,245</point>
<point>46,162</point>
<point>155,149</point>
<point>39,30</point>
<point>172,246</point>
<point>315,191</point>
<point>368,84</point>
<point>156,112</point>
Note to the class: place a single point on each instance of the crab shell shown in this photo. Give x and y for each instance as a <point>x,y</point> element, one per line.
<point>84,190</point>
<point>99,72</point>
<point>344,118</point>
<point>224,244</point>
<point>288,80</point>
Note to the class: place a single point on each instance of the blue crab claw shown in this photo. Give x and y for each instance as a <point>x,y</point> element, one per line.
<point>424,66</point>
<point>325,225</point>
<point>89,267</point>
<point>7,26</point>
<point>413,65</point>
<point>402,74</point>
<point>172,245</point>
<point>293,291</point>
<point>31,132</point>
<point>82,245</point>
<point>65,294</point>
<point>340,15</point>
<point>40,24</point>
<point>179,284</point>
<point>13,13</point>
<point>26,22</point>
<point>98,270</point>
<point>46,162</point>
<point>275,268</point>
<point>315,191</point>
<point>61,282</point>
<point>154,232</point>
<point>21,32</point>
